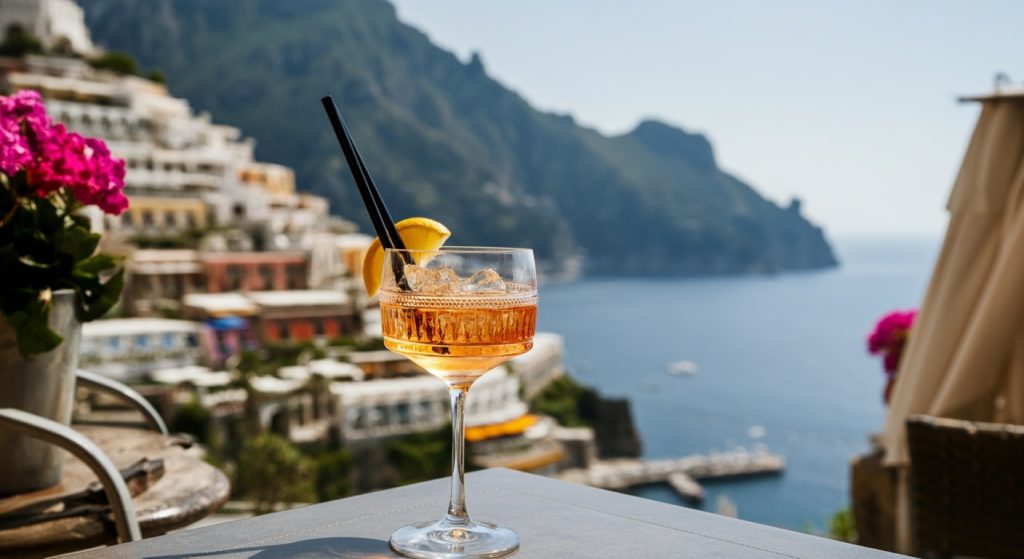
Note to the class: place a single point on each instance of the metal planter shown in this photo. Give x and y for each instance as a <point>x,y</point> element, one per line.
<point>43,385</point>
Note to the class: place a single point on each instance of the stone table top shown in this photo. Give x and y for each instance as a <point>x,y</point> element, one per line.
<point>554,519</point>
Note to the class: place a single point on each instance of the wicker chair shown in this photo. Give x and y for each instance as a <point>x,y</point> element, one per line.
<point>966,488</point>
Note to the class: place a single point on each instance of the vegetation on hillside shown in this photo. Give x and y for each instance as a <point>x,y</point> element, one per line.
<point>272,471</point>
<point>575,405</point>
<point>18,42</point>
<point>569,402</point>
<point>444,139</point>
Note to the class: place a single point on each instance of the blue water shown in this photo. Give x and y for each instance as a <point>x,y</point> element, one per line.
<point>785,352</point>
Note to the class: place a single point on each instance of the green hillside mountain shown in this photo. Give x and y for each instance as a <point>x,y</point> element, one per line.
<point>445,140</point>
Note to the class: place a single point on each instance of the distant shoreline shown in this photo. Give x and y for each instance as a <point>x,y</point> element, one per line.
<point>556,278</point>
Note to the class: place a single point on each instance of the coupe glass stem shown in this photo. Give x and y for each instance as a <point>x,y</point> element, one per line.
<point>457,502</point>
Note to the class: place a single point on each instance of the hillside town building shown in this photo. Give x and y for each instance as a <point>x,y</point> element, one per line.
<point>58,24</point>
<point>224,256</point>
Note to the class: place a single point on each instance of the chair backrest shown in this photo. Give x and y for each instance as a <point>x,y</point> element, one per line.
<point>966,487</point>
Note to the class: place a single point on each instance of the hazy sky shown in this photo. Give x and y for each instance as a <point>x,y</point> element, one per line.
<point>849,105</point>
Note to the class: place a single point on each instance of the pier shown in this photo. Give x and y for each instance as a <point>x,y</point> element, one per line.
<point>682,474</point>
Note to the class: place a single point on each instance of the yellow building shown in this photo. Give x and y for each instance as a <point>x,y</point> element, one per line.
<point>275,179</point>
<point>153,216</point>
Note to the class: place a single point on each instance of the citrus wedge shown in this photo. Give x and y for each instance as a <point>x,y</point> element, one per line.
<point>418,233</point>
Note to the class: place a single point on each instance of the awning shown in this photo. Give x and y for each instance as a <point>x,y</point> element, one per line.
<point>228,323</point>
<point>965,356</point>
<point>505,429</point>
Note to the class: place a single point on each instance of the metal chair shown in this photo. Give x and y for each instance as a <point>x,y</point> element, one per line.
<point>100,383</point>
<point>114,486</point>
<point>966,487</point>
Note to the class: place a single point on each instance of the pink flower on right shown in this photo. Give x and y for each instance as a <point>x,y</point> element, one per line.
<point>890,336</point>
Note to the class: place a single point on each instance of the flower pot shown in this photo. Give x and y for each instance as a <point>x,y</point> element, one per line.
<point>43,385</point>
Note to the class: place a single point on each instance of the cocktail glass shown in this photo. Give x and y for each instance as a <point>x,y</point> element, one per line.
<point>458,312</point>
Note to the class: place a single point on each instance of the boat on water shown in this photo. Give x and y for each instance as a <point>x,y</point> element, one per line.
<point>683,368</point>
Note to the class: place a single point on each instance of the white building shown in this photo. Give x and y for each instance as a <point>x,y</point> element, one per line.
<point>388,407</point>
<point>183,171</point>
<point>58,24</point>
<point>536,368</point>
<point>170,153</point>
<point>363,404</point>
<point>129,349</point>
<point>399,406</point>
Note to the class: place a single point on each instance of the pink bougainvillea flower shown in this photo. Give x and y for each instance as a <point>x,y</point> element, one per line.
<point>890,337</point>
<point>54,158</point>
<point>15,152</point>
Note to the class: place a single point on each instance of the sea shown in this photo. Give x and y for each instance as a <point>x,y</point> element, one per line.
<point>782,362</point>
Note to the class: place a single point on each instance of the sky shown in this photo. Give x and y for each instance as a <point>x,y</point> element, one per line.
<point>852,106</point>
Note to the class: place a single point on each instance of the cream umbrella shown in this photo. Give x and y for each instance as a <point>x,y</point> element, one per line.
<point>965,356</point>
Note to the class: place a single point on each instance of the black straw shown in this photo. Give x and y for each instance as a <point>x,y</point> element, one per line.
<point>383,225</point>
<point>379,215</point>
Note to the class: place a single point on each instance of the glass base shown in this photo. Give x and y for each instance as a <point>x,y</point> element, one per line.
<point>445,539</point>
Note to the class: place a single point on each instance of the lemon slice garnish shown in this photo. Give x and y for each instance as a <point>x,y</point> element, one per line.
<point>418,233</point>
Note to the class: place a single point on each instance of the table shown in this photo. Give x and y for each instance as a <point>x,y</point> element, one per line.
<point>554,519</point>
<point>189,489</point>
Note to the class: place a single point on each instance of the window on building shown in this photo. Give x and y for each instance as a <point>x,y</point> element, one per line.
<point>272,331</point>
<point>296,277</point>
<point>331,327</point>
<point>173,286</point>
<point>170,220</point>
<point>403,412</point>
<point>142,341</point>
<point>147,218</point>
<point>378,415</point>
<point>267,276</point>
<point>234,277</point>
<point>191,340</point>
<point>301,329</point>
<point>356,417</point>
<point>169,339</point>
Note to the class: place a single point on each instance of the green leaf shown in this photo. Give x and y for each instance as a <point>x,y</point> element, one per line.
<point>14,299</point>
<point>8,259</point>
<point>102,301</point>
<point>78,242</point>
<point>32,327</point>
<point>48,219</point>
<point>95,264</point>
<point>7,200</point>
<point>47,246</point>
<point>19,184</point>
<point>81,220</point>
